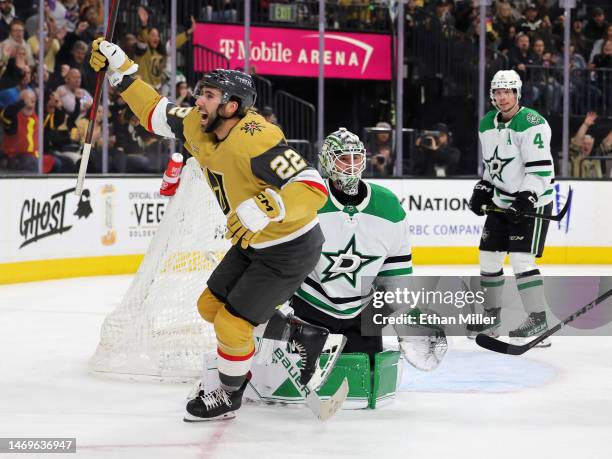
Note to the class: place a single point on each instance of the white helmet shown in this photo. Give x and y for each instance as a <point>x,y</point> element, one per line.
<point>505,79</point>
<point>338,143</point>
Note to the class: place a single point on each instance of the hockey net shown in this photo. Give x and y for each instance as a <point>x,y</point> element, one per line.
<point>156,331</point>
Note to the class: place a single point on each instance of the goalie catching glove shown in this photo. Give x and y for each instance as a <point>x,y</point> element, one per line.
<point>106,54</point>
<point>253,215</point>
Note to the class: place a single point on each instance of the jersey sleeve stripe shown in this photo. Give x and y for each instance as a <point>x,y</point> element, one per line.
<point>396,272</point>
<point>398,258</point>
<point>316,185</point>
<point>544,162</point>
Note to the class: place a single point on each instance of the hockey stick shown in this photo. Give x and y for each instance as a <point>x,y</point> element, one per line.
<point>555,218</point>
<point>496,345</point>
<point>322,409</point>
<point>110,28</point>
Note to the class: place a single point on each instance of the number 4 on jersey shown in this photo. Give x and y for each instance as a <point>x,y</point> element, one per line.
<point>537,140</point>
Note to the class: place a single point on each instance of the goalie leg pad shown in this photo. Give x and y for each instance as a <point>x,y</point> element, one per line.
<point>209,305</point>
<point>386,377</point>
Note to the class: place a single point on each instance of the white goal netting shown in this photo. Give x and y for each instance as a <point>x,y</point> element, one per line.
<point>156,331</point>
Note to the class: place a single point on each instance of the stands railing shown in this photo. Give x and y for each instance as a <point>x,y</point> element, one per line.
<point>204,60</point>
<point>264,91</point>
<point>296,116</point>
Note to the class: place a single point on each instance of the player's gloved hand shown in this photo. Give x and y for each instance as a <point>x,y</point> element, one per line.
<point>253,215</point>
<point>106,54</point>
<point>524,202</point>
<point>481,196</point>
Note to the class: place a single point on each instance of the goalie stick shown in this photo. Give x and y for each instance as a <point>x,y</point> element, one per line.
<point>110,28</point>
<point>555,218</point>
<point>496,345</point>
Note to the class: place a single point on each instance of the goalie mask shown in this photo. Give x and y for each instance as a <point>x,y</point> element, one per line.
<point>342,159</point>
<point>506,79</point>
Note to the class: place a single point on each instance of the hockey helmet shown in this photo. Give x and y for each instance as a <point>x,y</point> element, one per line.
<point>505,79</point>
<point>232,84</point>
<point>344,174</point>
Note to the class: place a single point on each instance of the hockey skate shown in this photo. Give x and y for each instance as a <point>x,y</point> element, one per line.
<point>310,341</point>
<point>535,324</point>
<point>491,329</point>
<point>216,405</point>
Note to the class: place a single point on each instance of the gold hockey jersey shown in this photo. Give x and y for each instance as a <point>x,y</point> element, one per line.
<point>253,157</point>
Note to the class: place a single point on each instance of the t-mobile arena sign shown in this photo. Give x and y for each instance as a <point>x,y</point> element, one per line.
<point>295,52</point>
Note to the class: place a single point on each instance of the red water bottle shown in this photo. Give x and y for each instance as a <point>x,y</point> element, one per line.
<point>171,179</point>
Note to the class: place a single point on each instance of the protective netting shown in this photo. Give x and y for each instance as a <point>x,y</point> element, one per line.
<point>156,331</point>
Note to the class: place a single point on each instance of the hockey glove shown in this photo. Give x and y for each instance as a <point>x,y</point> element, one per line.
<point>106,54</point>
<point>253,215</point>
<point>481,196</point>
<point>524,202</point>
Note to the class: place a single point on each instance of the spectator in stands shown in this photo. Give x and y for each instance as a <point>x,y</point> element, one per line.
<point>51,45</point>
<point>78,60</point>
<point>578,39</point>
<point>520,57</point>
<point>604,59</point>
<point>543,79</point>
<point>7,15</point>
<point>581,147</point>
<point>598,45</point>
<point>596,26</point>
<point>131,156</point>
<point>530,24</point>
<point>79,134</point>
<point>55,13</point>
<point>20,124</point>
<point>380,160</point>
<point>15,38</point>
<point>72,14</point>
<point>183,94</point>
<point>17,78</point>
<point>504,18</point>
<point>57,125</point>
<point>435,156</point>
<point>71,90</point>
<point>151,53</point>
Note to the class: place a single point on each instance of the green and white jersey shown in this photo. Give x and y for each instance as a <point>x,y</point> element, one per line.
<point>516,156</point>
<point>366,247</point>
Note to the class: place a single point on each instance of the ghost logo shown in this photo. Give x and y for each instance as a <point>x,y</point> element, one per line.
<point>84,209</point>
<point>41,219</point>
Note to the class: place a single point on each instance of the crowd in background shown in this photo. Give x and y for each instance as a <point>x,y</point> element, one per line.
<point>523,36</point>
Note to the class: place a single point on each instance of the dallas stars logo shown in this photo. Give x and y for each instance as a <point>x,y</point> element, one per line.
<point>496,165</point>
<point>251,126</point>
<point>346,263</point>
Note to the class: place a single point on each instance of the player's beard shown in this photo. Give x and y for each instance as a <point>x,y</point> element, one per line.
<point>216,118</point>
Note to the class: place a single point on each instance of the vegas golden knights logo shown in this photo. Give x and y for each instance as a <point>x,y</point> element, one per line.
<point>215,180</point>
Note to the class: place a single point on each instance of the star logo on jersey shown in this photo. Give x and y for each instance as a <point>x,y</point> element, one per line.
<point>496,165</point>
<point>250,127</point>
<point>346,263</point>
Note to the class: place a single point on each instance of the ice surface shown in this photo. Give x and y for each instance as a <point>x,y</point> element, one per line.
<point>549,403</point>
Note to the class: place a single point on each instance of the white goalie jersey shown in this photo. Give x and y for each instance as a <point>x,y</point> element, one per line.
<point>366,247</point>
<point>516,156</point>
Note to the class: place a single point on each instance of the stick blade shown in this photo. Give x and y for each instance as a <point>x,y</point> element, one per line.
<point>325,409</point>
<point>495,345</point>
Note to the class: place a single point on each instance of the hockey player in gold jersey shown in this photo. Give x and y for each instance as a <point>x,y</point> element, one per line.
<point>270,196</point>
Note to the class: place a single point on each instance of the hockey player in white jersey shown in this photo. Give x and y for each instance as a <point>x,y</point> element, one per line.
<point>367,248</point>
<point>518,176</point>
